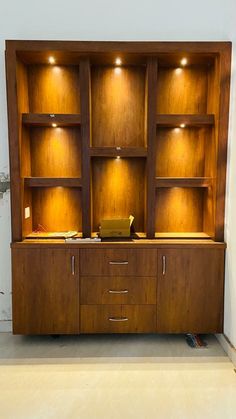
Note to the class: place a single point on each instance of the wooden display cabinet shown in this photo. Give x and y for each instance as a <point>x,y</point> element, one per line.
<point>109,129</point>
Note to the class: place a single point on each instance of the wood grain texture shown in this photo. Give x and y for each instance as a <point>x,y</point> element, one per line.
<point>190,294</point>
<point>117,290</point>
<point>118,187</point>
<point>174,120</point>
<point>45,119</point>
<point>150,132</point>
<point>55,152</point>
<point>49,86</point>
<point>45,293</point>
<point>182,90</point>
<point>85,103</point>
<point>38,182</point>
<point>179,210</point>
<point>57,209</point>
<point>120,151</point>
<point>180,152</point>
<point>185,182</point>
<point>95,319</point>
<point>118,106</point>
<point>141,262</point>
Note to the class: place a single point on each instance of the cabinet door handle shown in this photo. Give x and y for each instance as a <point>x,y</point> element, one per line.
<point>118,291</point>
<point>118,262</point>
<point>118,319</point>
<point>163,265</point>
<point>73,265</point>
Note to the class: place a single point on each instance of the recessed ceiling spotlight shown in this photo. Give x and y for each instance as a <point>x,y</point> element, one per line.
<point>184,61</point>
<point>118,61</point>
<point>54,125</point>
<point>182,125</point>
<point>118,157</point>
<point>51,60</point>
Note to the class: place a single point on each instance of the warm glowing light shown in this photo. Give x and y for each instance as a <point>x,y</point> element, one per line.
<point>51,60</point>
<point>182,125</point>
<point>54,125</point>
<point>178,70</point>
<point>184,61</point>
<point>177,130</point>
<point>118,157</point>
<point>118,61</point>
<point>117,70</point>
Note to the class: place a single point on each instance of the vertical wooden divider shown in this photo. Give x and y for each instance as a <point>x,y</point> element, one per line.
<point>151,94</point>
<point>85,110</point>
<point>13,127</point>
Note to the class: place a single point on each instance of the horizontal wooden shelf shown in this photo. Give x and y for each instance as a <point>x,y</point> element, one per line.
<point>39,182</point>
<point>180,235</point>
<point>44,119</point>
<point>175,120</point>
<point>184,182</point>
<point>118,151</point>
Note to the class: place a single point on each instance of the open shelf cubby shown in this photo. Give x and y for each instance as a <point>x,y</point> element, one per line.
<point>118,189</point>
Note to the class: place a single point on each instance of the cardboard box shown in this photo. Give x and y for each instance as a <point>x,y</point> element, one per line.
<point>119,227</point>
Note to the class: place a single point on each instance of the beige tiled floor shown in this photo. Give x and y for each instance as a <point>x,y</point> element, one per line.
<point>110,377</point>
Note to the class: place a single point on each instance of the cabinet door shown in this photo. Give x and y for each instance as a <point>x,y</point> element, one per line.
<point>190,290</point>
<point>45,291</point>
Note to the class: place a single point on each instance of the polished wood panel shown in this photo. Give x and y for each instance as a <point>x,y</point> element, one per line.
<point>118,106</point>
<point>191,291</point>
<point>120,151</point>
<point>55,152</point>
<point>57,209</point>
<point>182,90</point>
<point>44,119</point>
<point>172,120</point>
<point>85,98</point>
<point>180,152</point>
<point>118,262</point>
<point>49,86</point>
<point>183,182</point>
<point>179,210</point>
<point>117,290</point>
<point>140,319</point>
<point>36,182</point>
<point>118,186</point>
<point>45,292</point>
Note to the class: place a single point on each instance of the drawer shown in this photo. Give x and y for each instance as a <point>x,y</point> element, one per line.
<point>117,290</point>
<point>118,318</point>
<point>118,262</point>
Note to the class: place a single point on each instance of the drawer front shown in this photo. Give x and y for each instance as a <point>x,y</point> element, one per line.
<point>117,290</point>
<point>118,262</point>
<point>118,319</point>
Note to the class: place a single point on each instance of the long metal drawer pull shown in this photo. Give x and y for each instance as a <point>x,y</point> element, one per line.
<point>118,319</point>
<point>163,265</point>
<point>72,265</point>
<point>118,262</point>
<point>118,291</point>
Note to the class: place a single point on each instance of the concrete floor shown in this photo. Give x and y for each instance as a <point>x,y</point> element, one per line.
<point>116,376</point>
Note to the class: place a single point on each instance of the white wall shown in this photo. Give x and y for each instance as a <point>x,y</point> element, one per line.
<point>120,20</point>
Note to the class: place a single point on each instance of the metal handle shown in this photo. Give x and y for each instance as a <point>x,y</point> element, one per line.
<point>118,319</point>
<point>118,291</point>
<point>118,262</point>
<point>163,265</point>
<point>73,265</point>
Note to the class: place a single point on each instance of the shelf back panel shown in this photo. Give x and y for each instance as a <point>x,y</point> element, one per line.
<point>118,190</point>
<point>179,209</point>
<point>54,89</point>
<point>55,152</point>
<point>118,103</point>
<point>182,90</point>
<point>180,152</point>
<point>56,209</point>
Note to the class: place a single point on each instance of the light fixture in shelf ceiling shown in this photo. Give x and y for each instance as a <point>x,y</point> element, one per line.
<point>118,61</point>
<point>184,61</point>
<point>51,60</point>
<point>54,125</point>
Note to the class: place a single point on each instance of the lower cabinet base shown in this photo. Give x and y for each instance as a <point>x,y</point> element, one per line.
<point>118,319</point>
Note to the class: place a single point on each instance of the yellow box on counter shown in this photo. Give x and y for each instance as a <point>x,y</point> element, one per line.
<point>117,227</point>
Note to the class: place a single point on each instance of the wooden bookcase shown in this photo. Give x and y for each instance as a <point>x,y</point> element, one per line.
<point>92,139</point>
